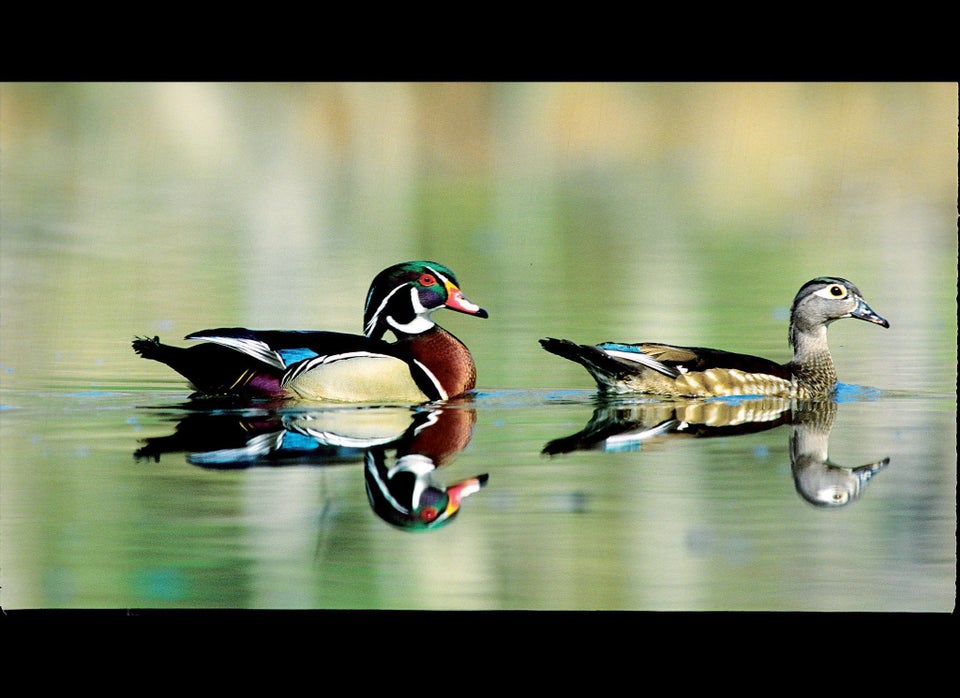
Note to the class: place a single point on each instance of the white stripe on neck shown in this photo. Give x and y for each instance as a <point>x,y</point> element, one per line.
<point>433,379</point>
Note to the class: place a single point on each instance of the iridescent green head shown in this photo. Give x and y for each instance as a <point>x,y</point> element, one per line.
<point>405,494</point>
<point>403,297</point>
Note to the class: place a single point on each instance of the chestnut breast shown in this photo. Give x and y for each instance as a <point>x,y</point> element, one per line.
<point>447,358</point>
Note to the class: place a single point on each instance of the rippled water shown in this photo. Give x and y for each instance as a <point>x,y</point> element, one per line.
<point>118,491</point>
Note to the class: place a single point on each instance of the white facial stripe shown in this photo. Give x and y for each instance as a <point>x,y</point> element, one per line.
<point>826,292</point>
<point>416,304</point>
<point>421,321</point>
<point>368,330</point>
<point>440,276</point>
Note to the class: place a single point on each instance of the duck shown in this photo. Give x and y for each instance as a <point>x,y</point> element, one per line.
<point>697,372</point>
<point>628,424</point>
<point>817,479</point>
<point>406,491</point>
<point>425,363</point>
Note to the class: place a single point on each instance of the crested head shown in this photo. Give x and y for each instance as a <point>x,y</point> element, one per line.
<point>403,297</point>
<point>824,299</point>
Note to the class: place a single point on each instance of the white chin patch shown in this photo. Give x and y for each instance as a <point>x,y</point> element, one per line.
<point>419,324</point>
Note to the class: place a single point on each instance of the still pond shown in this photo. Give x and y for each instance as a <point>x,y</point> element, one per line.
<point>143,210</point>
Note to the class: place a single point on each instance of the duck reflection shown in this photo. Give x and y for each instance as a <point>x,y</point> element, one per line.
<point>817,480</point>
<point>617,426</point>
<point>405,493</point>
<point>403,490</point>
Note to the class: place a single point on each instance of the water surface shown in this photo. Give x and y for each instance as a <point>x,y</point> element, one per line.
<point>140,210</point>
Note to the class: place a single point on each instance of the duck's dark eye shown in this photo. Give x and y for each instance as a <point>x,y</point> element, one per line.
<point>834,292</point>
<point>427,280</point>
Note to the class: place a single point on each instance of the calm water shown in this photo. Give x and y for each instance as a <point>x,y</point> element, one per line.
<point>165,209</point>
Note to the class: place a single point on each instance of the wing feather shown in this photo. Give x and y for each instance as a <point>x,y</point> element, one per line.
<point>251,346</point>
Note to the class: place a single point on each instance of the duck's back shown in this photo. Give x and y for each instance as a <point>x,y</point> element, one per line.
<point>687,359</point>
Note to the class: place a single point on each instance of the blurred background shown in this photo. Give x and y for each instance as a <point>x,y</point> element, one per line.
<point>675,211</point>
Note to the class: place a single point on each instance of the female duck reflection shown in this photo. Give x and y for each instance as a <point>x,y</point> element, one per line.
<point>617,425</point>
<point>404,493</point>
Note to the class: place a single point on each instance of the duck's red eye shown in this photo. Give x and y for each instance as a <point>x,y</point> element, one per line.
<point>428,280</point>
<point>429,514</point>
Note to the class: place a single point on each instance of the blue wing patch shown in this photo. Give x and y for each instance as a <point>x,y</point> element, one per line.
<point>296,355</point>
<point>616,346</point>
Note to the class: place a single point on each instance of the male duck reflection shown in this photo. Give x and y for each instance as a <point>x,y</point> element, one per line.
<point>697,372</point>
<point>426,363</point>
<point>625,426</point>
<point>403,491</point>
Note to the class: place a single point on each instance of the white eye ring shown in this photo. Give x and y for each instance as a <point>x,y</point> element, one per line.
<point>833,292</point>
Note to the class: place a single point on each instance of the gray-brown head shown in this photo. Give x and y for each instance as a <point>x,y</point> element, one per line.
<point>822,300</point>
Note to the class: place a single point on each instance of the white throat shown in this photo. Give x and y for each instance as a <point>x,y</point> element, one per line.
<point>419,324</point>
<point>421,321</point>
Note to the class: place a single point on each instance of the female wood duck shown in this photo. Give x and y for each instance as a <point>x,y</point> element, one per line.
<point>696,372</point>
<point>426,363</point>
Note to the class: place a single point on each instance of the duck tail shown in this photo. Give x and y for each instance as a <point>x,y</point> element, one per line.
<point>605,369</point>
<point>213,369</point>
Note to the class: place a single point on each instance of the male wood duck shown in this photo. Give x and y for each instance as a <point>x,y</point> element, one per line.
<point>425,364</point>
<point>407,492</point>
<point>697,372</point>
